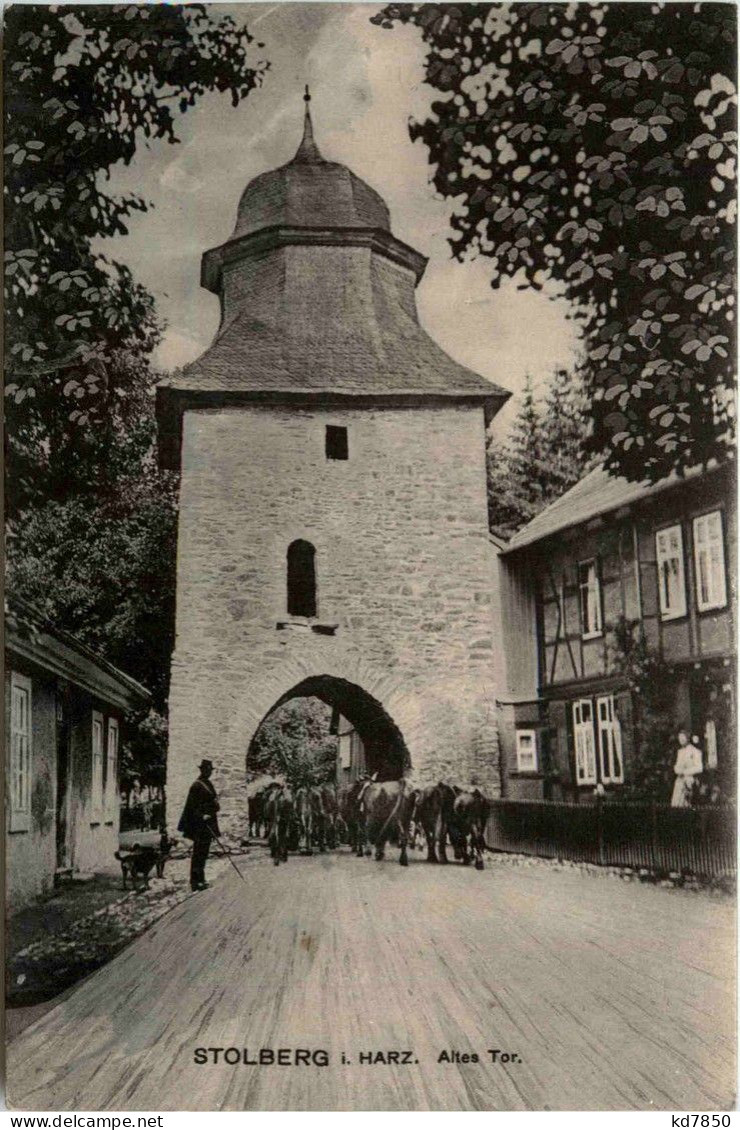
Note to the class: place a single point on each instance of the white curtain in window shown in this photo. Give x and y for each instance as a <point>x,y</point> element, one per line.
<point>669,560</point>
<point>583,733</point>
<point>610,741</point>
<point>526,751</point>
<point>590,597</point>
<point>709,557</point>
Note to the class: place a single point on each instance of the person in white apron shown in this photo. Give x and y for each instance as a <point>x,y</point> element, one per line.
<point>687,768</point>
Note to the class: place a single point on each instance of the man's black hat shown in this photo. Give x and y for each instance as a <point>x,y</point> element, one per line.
<point>206,764</point>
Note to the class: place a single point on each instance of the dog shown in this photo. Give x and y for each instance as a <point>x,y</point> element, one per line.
<point>138,861</point>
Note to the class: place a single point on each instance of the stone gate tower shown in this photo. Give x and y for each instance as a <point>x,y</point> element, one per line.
<point>333,535</point>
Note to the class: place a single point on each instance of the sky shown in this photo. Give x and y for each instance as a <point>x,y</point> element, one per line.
<point>366,82</point>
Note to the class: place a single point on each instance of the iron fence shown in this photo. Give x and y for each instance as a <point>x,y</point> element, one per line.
<point>696,841</point>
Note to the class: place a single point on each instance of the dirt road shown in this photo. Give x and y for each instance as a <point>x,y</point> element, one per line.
<point>611,995</point>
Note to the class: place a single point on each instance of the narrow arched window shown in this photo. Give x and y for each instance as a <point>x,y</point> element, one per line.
<point>301,579</point>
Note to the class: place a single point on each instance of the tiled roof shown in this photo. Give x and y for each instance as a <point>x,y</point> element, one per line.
<point>598,492</point>
<point>321,319</point>
<point>30,633</point>
<point>309,192</point>
<point>317,299</point>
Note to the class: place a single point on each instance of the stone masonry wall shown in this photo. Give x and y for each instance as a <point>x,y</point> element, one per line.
<point>403,570</point>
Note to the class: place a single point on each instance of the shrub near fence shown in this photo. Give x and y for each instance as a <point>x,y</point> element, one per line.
<point>697,841</point>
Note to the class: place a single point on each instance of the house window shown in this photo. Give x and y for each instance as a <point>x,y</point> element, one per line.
<point>526,751</point>
<point>96,798</point>
<point>611,766</point>
<point>709,558</point>
<point>583,733</point>
<point>337,446</point>
<point>590,591</point>
<point>301,579</point>
<point>20,753</point>
<point>345,750</point>
<point>111,772</point>
<point>671,585</point>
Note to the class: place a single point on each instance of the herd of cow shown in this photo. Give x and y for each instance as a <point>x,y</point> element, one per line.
<point>371,811</point>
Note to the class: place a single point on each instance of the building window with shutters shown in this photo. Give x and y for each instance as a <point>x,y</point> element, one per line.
<point>111,772</point>
<point>671,583</point>
<point>583,737</point>
<point>19,785</point>
<point>526,751</point>
<point>589,587</point>
<point>709,561</point>
<point>301,579</point>
<point>611,765</point>
<point>96,797</point>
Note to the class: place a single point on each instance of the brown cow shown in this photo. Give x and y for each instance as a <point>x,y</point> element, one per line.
<point>310,815</point>
<point>280,814</point>
<point>431,807</point>
<point>348,803</point>
<point>330,814</point>
<point>385,807</point>
<point>263,806</point>
<point>257,820</point>
<point>466,816</point>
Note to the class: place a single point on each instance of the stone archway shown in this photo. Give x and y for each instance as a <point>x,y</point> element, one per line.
<point>386,752</point>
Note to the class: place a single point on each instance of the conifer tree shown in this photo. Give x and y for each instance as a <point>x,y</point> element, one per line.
<point>565,429</point>
<point>542,457</point>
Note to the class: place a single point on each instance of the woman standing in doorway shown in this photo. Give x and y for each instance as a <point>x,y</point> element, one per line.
<point>687,768</point>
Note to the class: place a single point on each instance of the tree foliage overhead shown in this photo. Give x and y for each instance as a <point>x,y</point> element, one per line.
<point>98,555</point>
<point>544,454</point>
<point>595,145</point>
<point>91,518</point>
<point>84,88</point>
<point>295,742</point>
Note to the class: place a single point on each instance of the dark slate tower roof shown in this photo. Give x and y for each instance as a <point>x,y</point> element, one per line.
<point>309,192</point>
<point>317,304</point>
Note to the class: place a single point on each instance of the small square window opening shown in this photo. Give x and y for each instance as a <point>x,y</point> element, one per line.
<point>337,446</point>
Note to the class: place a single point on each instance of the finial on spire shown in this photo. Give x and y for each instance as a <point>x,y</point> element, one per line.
<point>307,150</point>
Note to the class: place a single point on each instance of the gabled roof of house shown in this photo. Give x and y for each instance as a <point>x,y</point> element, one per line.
<point>30,635</point>
<point>598,492</point>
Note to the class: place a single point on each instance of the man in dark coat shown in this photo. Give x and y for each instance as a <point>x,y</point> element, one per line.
<point>199,823</point>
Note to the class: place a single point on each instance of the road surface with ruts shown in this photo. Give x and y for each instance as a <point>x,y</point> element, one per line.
<point>609,994</point>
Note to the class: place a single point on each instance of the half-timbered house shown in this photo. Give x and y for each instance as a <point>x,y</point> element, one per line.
<point>658,557</point>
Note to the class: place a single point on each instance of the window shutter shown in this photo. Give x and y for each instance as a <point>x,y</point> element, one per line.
<point>623,708</point>
<point>570,757</point>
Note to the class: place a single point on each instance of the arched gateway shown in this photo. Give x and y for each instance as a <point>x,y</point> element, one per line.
<point>385,753</point>
<point>333,522</point>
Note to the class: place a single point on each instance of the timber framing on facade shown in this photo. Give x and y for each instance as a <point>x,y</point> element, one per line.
<point>659,558</point>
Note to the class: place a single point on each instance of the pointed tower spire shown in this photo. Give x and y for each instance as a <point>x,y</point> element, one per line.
<point>307,151</point>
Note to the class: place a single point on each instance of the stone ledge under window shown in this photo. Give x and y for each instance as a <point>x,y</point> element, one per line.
<point>304,624</point>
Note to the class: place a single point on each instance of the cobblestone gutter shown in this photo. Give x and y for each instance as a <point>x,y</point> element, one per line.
<point>53,962</point>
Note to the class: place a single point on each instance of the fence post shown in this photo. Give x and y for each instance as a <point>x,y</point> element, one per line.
<point>600,828</point>
<point>653,834</point>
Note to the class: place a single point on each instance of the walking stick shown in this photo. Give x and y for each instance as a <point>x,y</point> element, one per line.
<point>225,852</point>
